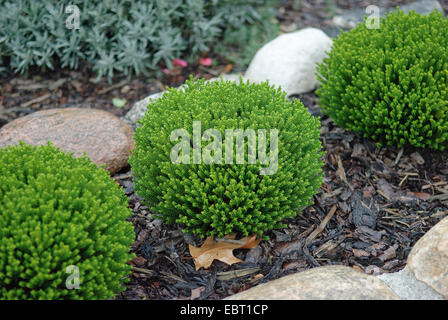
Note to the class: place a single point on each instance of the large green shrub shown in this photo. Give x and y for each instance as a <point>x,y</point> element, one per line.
<point>57,211</point>
<point>231,196</point>
<point>391,84</point>
<point>117,35</point>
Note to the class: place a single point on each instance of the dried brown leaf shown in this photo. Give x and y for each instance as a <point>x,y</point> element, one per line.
<point>221,250</point>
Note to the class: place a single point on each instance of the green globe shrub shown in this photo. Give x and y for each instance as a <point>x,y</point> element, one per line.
<point>57,211</point>
<point>390,84</point>
<point>232,196</point>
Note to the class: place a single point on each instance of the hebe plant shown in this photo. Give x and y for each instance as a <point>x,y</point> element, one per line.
<point>126,36</point>
<point>391,84</point>
<point>57,211</point>
<point>220,199</point>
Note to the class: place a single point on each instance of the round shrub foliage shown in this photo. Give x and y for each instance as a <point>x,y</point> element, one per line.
<point>60,217</point>
<point>391,84</point>
<point>240,195</point>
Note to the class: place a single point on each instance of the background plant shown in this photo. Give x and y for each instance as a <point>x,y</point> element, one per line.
<point>390,84</point>
<point>57,211</point>
<point>125,36</point>
<point>239,45</point>
<point>219,199</point>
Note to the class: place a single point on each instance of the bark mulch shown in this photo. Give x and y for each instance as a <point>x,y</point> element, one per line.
<point>374,205</point>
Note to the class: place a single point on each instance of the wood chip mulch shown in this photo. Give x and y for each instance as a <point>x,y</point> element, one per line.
<point>374,205</point>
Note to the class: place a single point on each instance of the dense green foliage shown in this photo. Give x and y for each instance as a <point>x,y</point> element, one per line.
<point>118,35</point>
<point>222,198</point>
<point>58,211</point>
<point>391,84</point>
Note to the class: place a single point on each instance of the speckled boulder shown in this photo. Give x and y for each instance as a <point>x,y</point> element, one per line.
<point>428,259</point>
<point>104,137</point>
<point>323,283</point>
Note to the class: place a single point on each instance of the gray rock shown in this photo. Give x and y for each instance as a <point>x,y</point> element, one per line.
<point>322,283</point>
<point>332,31</point>
<point>407,287</point>
<point>350,18</point>
<point>290,60</point>
<point>422,6</point>
<point>139,109</point>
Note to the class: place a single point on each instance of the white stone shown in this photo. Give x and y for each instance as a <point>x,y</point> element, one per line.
<point>290,60</point>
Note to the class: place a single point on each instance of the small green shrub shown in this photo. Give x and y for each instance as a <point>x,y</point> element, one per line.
<point>58,211</point>
<point>390,84</point>
<point>231,196</point>
<point>125,36</point>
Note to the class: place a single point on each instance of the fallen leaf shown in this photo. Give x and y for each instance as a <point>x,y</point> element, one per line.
<point>211,250</point>
<point>228,68</point>
<point>206,62</point>
<point>251,242</point>
<point>119,103</point>
<point>180,63</point>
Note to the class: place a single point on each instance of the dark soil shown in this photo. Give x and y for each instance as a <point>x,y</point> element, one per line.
<point>378,201</point>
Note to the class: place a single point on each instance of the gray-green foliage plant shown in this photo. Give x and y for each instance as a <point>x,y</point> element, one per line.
<point>240,45</point>
<point>390,84</point>
<point>231,196</point>
<point>125,36</point>
<point>59,213</point>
